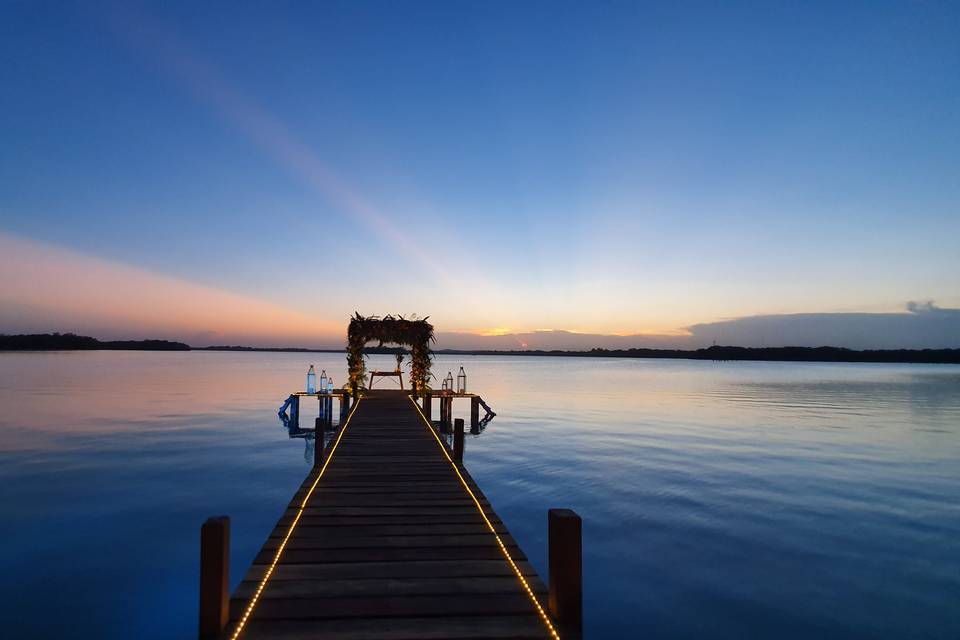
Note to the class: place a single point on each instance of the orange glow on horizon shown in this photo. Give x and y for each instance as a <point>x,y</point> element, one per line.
<point>56,289</point>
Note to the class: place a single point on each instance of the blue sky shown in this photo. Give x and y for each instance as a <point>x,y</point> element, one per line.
<point>606,168</point>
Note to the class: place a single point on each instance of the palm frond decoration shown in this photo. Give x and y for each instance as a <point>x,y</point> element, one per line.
<point>416,334</point>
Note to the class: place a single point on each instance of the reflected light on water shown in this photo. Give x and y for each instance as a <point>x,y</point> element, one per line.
<point>718,499</point>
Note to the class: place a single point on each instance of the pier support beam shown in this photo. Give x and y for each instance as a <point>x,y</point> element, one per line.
<point>564,549</point>
<point>295,412</point>
<point>475,414</point>
<point>446,414</point>
<point>458,440</point>
<point>214,577</point>
<point>428,406</point>
<point>344,407</point>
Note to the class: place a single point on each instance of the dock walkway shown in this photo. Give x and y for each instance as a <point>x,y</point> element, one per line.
<point>385,540</point>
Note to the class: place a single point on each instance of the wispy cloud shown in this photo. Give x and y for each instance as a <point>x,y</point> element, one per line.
<point>925,325</point>
<point>47,288</point>
<point>203,80</point>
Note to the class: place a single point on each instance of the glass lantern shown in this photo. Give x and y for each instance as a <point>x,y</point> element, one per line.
<point>461,381</point>
<point>448,381</point>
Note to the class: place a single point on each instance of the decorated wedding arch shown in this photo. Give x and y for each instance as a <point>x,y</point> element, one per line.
<point>415,334</point>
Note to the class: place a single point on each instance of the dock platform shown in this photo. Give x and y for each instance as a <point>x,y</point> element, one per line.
<point>389,537</point>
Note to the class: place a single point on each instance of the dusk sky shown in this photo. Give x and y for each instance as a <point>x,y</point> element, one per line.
<point>646,173</point>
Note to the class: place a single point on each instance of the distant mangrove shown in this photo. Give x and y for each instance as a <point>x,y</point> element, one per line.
<point>70,341</point>
<point>73,342</point>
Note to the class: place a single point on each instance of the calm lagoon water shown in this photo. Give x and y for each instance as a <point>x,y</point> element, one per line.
<point>719,500</point>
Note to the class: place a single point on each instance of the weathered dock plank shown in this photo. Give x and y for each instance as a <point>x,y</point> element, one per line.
<point>389,539</point>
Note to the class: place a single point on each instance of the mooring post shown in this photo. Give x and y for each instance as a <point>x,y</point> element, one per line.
<point>564,549</point>
<point>214,577</point>
<point>446,413</point>
<point>295,412</point>
<point>474,414</point>
<point>329,413</point>
<point>428,406</point>
<point>344,407</point>
<point>458,440</point>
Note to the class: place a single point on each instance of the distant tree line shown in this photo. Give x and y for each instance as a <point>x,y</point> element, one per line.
<point>70,341</point>
<point>73,342</point>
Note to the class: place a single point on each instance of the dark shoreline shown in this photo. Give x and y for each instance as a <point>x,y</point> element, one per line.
<point>73,342</point>
<point>69,341</point>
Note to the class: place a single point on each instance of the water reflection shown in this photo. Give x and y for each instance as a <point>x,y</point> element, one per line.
<point>719,499</point>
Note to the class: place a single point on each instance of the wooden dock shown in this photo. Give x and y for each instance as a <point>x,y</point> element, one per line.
<point>388,537</point>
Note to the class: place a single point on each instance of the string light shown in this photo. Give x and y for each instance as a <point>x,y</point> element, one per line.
<point>503,547</point>
<point>293,525</point>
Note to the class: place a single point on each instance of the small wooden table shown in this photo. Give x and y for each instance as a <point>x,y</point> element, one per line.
<point>387,374</point>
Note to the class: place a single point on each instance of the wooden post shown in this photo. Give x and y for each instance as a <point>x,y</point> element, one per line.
<point>446,413</point>
<point>329,412</point>
<point>318,442</point>
<point>474,414</point>
<point>458,440</point>
<point>428,406</point>
<point>344,407</point>
<point>564,549</point>
<point>295,413</point>
<point>214,576</point>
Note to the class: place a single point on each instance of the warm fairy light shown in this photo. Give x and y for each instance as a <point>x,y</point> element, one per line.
<point>503,547</point>
<point>293,525</point>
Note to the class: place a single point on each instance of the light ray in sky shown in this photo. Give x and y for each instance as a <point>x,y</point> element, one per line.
<point>273,137</point>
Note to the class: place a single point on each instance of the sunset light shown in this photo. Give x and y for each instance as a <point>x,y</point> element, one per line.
<point>480,319</point>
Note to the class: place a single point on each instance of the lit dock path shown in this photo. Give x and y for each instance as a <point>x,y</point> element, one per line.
<point>384,540</point>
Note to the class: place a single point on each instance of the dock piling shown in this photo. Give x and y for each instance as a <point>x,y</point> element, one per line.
<point>564,548</point>
<point>458,440</point>
<point>475,414</point>
<point>447,413</point>
<point>428,406</point>
<point>214,576</point>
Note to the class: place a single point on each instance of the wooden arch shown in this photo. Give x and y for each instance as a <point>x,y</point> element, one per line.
<point>415,334</point>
